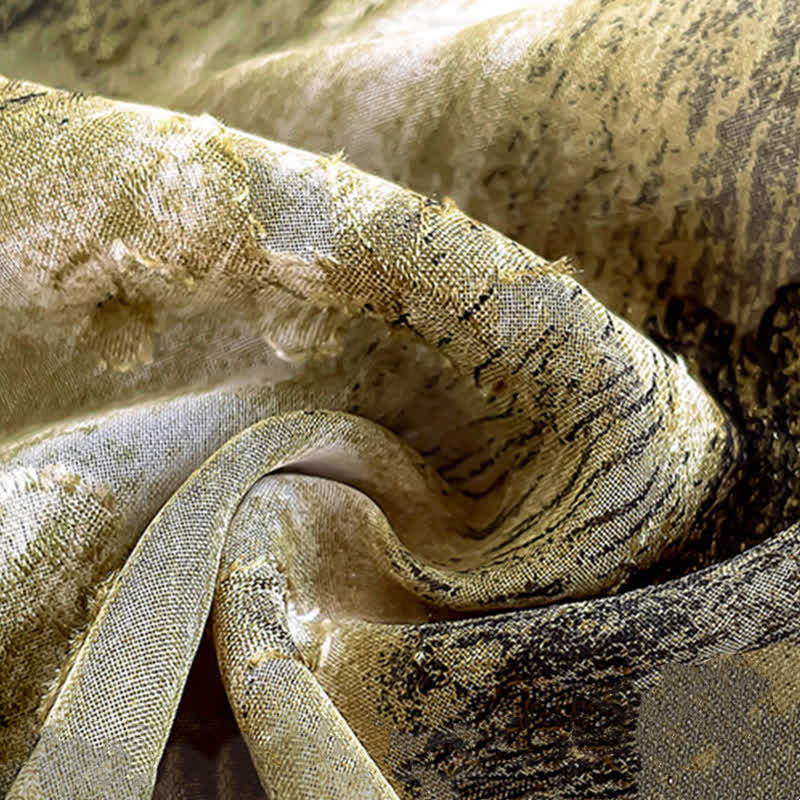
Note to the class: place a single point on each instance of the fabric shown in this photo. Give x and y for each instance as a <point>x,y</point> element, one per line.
<point>314,485</point>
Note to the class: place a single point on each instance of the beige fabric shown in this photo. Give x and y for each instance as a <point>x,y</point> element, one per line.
<point>442,508</point>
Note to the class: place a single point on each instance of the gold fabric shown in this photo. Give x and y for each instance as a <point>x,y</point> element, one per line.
<point>314,485</point>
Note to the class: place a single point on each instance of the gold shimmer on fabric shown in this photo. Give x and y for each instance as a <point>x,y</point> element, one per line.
<point>399,400</point>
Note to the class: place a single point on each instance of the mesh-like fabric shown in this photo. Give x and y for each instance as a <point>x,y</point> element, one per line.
<point>450,526</point>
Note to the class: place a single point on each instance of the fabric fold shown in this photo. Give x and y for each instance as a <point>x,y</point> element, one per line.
<point>407,475</point>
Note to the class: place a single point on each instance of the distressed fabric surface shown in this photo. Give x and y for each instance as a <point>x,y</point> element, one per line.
<point>409,413</point>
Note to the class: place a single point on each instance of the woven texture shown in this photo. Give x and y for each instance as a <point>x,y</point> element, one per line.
<point>313,485</point>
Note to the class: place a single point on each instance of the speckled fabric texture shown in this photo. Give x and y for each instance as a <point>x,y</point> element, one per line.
<point>409,411</point>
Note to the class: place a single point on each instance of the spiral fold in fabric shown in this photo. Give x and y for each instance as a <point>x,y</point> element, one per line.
<point>402,476</point>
